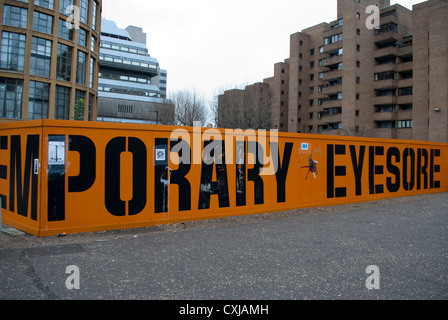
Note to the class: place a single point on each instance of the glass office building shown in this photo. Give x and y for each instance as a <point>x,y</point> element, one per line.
<point>128,87</point>
<point>49,59</point>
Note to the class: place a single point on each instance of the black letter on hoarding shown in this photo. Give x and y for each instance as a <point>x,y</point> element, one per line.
<point>393,187</point>
<point>281,172</point>
<point>139,175</point>
<point>3,169</point>
<point>240,188</point>
<point>56,182</point>
<point>32,152</point>
<point>161,173</point>
<point>254,174</point>
<point>422,169</point>
<point>87,163</point>
<point>408,185</point>
<point>113,203</point>
<point>375,170</point>
<point>434,169</point>
<point>333,171</point>
<point>219,187</point>
<point>357,166</point>
<point>178,176</point>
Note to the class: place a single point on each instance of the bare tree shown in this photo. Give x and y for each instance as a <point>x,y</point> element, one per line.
<point>189,107</point>
<point>246,109</point>
<point>166,112</point>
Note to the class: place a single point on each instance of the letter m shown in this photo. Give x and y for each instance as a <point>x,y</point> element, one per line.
<point>15,179</point>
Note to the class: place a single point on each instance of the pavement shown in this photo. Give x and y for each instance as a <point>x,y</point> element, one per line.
<point>308,254</point>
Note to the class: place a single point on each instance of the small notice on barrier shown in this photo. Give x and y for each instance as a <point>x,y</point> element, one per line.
<point>56,153</point>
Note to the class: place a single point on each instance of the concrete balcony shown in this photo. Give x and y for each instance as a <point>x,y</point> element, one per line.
<point>408,99</point>
<point>385,52</point>
<point>332,61</point>
<point>330,118</point>
<point>406,66</point>
<point>404,51</point>
<point>331,75</point>
<point>332,104</point>
<point>386,37</point>
<point>385,67</point>
<point>385,133</point>
<point>333,47</point>
<point>385,116</point>
<point>405,83</point>
<point>385,84</point>
<point>382,100</point>
<point>332,89</point>
<point>389,18</point>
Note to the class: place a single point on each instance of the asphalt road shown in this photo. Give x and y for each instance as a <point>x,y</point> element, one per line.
<point>316,254</point>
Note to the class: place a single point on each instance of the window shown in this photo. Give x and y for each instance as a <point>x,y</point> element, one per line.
<point>91,97</point>
<point>405,91</point>
<point>15,16</point>
<point>358,16</point>
<point>335,126</point>
<point>62,105</point>
<point>92,44</point>
<point>83,11</point>
<point>79,99</point>
<point>404,124</point>
<point>92,68</point>
<point>64,32</point>
<point>333,39</point>
<point>385,108</point>
<point>386,28</point>
<point>45,3</point>
<point>40,57</point>
<point>387,75</point>
<point>94,14</point>
<point>81,68</point>
<point>42,22</point>
<point>39,98</point>
<point>311,115</point>
<point>386,124</point>
<point>64,62</point>
<point>82,37</point>
<point>11,98</point>
<point>65,4</point>
<point>386,92</point>
<point>13,51</point>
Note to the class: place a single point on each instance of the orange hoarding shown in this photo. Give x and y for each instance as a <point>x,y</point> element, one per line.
<point>69,177</point>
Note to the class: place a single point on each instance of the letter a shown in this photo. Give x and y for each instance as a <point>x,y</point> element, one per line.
<point>373,21</point>
<point>72,281</point>
<point>373,281</point>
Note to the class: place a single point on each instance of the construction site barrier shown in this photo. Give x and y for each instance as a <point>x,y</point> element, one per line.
<point>73,177</point>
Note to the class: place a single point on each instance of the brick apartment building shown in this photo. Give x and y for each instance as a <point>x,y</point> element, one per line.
<point>343,78</point>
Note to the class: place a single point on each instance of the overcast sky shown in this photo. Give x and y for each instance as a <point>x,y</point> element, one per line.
<point>207,45</point>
